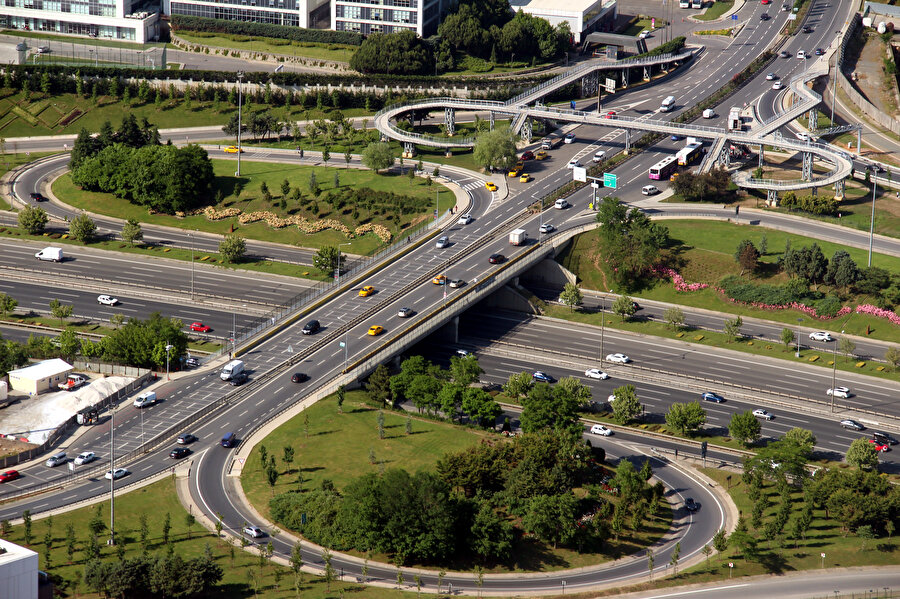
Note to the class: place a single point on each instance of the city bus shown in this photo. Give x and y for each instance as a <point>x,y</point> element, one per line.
<point>662,169</point>
<point>689,153</point>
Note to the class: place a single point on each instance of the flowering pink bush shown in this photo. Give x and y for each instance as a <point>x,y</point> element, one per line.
<point>879,312</point>
<point>678,280</point>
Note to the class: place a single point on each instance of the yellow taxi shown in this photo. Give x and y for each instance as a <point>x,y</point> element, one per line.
<point>375,330</point>
<point>540,155</point>
<point>490,186</point>
<point>525,178</point>
<point>514,172</point>
<point>233,150</point>
<point>366,291</point>
<point>439,280</point>
<point>674,176</point>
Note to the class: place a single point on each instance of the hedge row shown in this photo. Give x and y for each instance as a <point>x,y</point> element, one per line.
<point>297,34</point>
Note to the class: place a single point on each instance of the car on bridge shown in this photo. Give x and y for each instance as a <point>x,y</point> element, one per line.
<point>547,228</point>
<point>199,327</point>
<point>618,358</point>
<point>496,258</point>
<point>179,452</point>
<point>311,327</point>
<point>405,312</point>
<point>842,392</point>
<point>299,377</point>
<point>375,330</point>
<point>186,439</point>
<point>456,283</point>
<point>366,291</point>
<point>439,280</point>
<point>9,475</point>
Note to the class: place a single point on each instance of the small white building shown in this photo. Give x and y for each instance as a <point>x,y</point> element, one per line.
<point>583,16</point>
<point>18,571</point>
<point>43,376</point>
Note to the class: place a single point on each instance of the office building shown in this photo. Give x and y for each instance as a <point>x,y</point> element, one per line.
<point>388,16</point>
<point>126,20</point>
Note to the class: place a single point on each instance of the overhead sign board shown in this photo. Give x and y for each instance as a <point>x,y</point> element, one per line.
<point>579,173</point>
<point>610,85</point>
<point>609,180</point>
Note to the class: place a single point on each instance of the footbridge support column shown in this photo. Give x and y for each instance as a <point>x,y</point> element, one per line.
<point>627,141</point>
<point>527,129</point>
<point>724,159</point>
<point>807,166</point>
<point>839,190</point>
<point>409,149</point>
<point>762,155</point>
<point>813,119</point>
<point>492,119</point>
<point>625,78</point>
<point>771,198</point>
<point>590,83</point>
<point>450,120</point>
<point>647,73</point>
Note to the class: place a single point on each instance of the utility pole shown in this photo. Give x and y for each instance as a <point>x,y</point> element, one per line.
<point>240,78</point>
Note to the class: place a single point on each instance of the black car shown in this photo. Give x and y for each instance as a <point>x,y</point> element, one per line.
<point>311,327</point>
<point>764,16</point>
<point>691,505</point>
<point>38,197</point>
<point>884,437</point>
<point>710,396</point>
<point>192,362</point>
<point>299,377</point>
<point>238,379</point>
<point>497,259</point>
<point>186,439</point>
<point>179,452</point>
<point>807,29</point>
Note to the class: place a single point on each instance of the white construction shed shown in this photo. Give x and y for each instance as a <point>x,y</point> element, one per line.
<point>583,16</point>
<point>40,377</point>
<point>18,572</point>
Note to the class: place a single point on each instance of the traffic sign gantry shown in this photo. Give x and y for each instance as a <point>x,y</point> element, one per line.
<point>609,180</point>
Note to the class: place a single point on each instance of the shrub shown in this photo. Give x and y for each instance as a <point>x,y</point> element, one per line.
<point>322,36</point>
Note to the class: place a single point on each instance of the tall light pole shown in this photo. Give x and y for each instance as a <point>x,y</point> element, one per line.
<point>833,371</point>
<point>799,321</point>
<point>872,222</point>
<point>834,79</point>
<point>168,349</point>
<point>337,267</point>
<point>112,478</point>
<point>602,306</point>
<point>240,78</point>
<point>191,235</point>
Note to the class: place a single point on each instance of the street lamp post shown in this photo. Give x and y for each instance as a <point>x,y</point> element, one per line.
<point>240,78</point>
<point>833,371</point>
<point>168,349</point>
<point>191,235</point>
<point>799,321</point>
<point>112,478</point>
<point>872,222</point>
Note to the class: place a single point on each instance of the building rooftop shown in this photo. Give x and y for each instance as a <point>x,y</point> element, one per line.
<point>42,369</point>
<point>555,6</point>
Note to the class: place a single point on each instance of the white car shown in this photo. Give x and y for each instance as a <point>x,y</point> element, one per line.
<point>760,413</point>
<point>618,358</point>
<point>644,34</point>
<point>442,242</point>
<point>107,300</point>
<point>405,312</point>
<point>802,136</point>
<point>85,457</point>
<point>777,85</point>
<point>599,429</point>
<point>709,113</point>
<point>771,77</point>
<point>649,190</point>
<point>596,373</point>
<point>611,398</point>
<point>547,228</point>
<point>842,392</point>
<point>148,398</point>
<point>117,473</point>
<point>465,219</point>
<point>820,336</point>
<point>569,138</point>
<point>573,163</point>
<point>599,156</point>
<point>254,532</point>
<point>801,54</point>
<point>561,204</point>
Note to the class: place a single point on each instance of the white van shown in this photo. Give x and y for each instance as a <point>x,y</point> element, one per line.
<point>709,113</point>
<point>231,369</point>
<point>599,156</point>
<point>50,254</point>
<point>147,398</point>
<point>668,104</point>
<point>560,204</point>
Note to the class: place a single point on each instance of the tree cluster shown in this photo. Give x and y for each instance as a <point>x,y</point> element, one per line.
<point>630,241</point>
<point>703,187</point>
<point>169,577</point>
<point>496,149</point>
<point>130,134</point>
<point>400,53</point>
<point>810,203</point>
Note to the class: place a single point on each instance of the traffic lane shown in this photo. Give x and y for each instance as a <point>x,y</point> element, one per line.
<point>85,305</point>
<point>650,310</point>
<point>699,361</point>
<point>656,399</point>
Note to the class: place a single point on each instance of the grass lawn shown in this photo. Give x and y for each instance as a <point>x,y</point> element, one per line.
<point>708,256</point>
<point>157,500</point>
<point>715,10</point>
<point>249,199</point>
<point>340,447</point>
<point>332,52</point>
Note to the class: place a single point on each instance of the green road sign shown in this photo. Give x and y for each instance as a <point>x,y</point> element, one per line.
<point>609,180</point>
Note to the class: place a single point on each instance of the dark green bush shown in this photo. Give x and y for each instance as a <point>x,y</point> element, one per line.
<point>322,36</point>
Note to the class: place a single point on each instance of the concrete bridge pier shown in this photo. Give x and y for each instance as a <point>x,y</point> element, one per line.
<point>807,166</point>
<point>762,158</point>
<point>450,120</point>
<point>450,331</point>
<point>839,190</point>
<point>771,197</point>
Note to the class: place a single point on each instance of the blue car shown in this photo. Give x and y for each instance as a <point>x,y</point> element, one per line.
<point>676,137</point>
<point>709,396</point>
<point>542,377</point>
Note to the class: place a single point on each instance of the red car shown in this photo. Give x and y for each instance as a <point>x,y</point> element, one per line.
<point>879,446</point>
<point>9,475</point>
<point>200,327</point>
<point>528,155</point>
<point>610,115</point>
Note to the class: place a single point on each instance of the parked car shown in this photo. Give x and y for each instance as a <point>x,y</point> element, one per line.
<point>852,425</point>
<point>599,429</point>
<point>179,452</point>
<point>299,377</point>
<point>618,358</point>
<point>199,327</point>
<point>760,413</point>
<point>542,377</point>
<point>710,396</point>
<point>116,474</point>
<point>85,457</point>
<point>842,392</point>
<point>596,373</point>
<point>186,439</point>
<point>192,362</point>
<point>311,327</point>
<point>9,475</point>
<point>72,382</point>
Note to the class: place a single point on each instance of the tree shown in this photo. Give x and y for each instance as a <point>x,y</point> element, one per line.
<point>492,535</point>
<point>625,405</point>
<point>518,385</point>
<point>400,53</point>
<point>378,156</point>
<point>131,231</point>
<point>379,385</point>
<point>744,427</point>
<point>495,149</point>
<point>892,356</point>
<point>480,406</point>
<point>341,395</point>
<point>550,517</point>
<point>847,346</point>
<point>571,296</point>
<point>83,228</point>
<point>624,307</point>
<point>800,437</point>
<point>685,417</point>
<point>26,521</point>
<point>117,320</point>
<point>733,328</point>
<point>232,248</point>
<point>326,259</point>
<point>60,310</point>
<point>297,566</point>
<point>787,337</point>
<point>862,454</point>
<point>720,541</point>
<point>465,370</point>
<point>674,317</point>
<point>7,305</point>
<point>747,256</point>
<point>288,456</point>
<point>676,553</point>
<point>33,220</point>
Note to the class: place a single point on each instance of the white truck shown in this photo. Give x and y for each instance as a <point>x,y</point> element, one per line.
<point>231,370</point>
<point>734,119</point>
<point>72,382</point>
<point>518,237</point>
<point>50,254</point>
